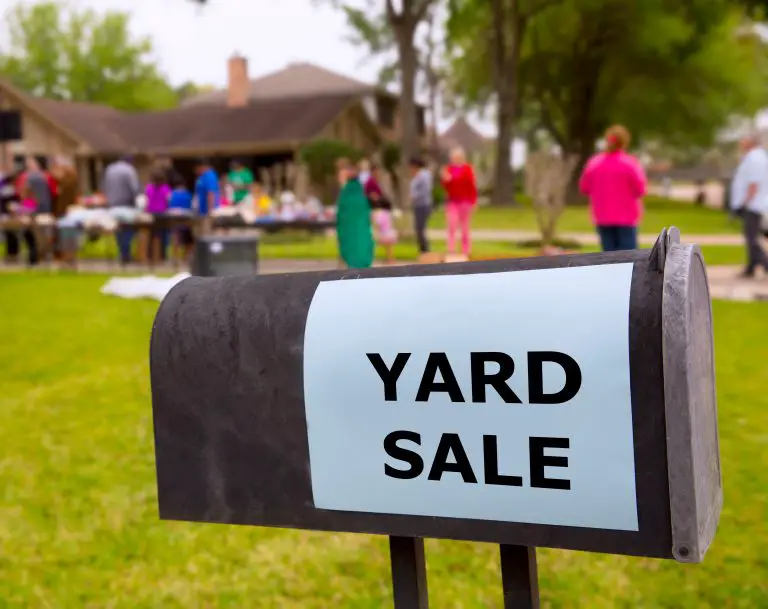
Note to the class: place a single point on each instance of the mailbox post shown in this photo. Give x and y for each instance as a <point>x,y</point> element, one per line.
<point>563,402</point>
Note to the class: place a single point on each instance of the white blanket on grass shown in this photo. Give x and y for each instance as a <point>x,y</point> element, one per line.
<point>147,286</point>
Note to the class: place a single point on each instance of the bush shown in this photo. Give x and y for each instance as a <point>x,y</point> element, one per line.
<point>320,158</point>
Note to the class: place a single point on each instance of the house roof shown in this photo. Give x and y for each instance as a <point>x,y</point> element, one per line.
<point>106,130</point>
<point>461,133</point>
<point>92,123</point>
<point>268,121</point>
<point>295,80</point>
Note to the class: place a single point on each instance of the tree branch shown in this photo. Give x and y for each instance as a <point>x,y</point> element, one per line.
<point>539,7</point>
<point>421,9</point>
<point>392,15</point>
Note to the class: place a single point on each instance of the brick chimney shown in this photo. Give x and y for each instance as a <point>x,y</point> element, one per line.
<point>238,84</point>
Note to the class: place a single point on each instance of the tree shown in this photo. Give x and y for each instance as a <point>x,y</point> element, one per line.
<point>547,176</point>
<point>498,79</point>
<point>190,89</point>
<point>508,21</point>
<point>381,27</point>
<point>668,70</point>
<point>79,55</point>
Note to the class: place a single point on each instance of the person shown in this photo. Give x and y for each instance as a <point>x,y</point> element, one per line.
<point>158,192</point>
<point>261,201</point>
<point>386,233</point>
<point>181,203</point>
<point>372,186</point>
<point>165,164</point>
<point>461,190</point>
<point>65,175</point>
<point>666,185</point>
<point>37,189</point>
<point>615,183</point>
<point>39,185</point>
<point>10,200</point>
<point>701,193</point>
<point>206,190</point>
<point>364,170</point>
<point>421,200</point>
<point>240,178</point>
<point>120,186</point>
<point>353,219</point>
<point>749,196</point>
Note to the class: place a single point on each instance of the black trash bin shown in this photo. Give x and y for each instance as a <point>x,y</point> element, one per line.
<point>226,255</point>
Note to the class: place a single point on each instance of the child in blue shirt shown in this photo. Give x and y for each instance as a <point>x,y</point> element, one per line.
<point>181,203</point>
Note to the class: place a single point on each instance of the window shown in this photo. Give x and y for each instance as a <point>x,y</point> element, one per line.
<point>385,110</point>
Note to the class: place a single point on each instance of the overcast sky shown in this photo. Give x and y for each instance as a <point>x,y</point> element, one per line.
<point>193,43</point>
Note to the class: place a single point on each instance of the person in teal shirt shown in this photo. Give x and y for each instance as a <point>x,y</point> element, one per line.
<point>241,180</point>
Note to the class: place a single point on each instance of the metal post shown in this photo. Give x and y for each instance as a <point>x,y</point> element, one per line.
<point>519,577</point>
<point>409,573</point>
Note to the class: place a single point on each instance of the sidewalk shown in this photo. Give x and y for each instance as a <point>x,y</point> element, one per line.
<point>484,234</point>
<point>724,281</point>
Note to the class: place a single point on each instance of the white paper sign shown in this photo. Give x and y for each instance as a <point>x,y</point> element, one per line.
<point>502,396</point>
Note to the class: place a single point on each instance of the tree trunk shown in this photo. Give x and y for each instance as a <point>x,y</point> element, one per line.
<point>584,151</point>
<point>503,186</point>
<point>434,141</point>
<point>508,31</point>
<point>409,135</point>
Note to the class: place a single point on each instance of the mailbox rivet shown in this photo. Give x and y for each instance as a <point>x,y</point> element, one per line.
<point>683,551</point>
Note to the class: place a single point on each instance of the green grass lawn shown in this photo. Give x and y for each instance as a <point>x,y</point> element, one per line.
<point>78,509</point>
<point>302,246</point>
<point>659,213</point>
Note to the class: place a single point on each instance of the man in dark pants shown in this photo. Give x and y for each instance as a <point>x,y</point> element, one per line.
<point>120,185</point>
<point>421,200</point>
<point>749,196</point>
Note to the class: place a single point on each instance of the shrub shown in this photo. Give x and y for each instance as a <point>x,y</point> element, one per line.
<point>320,158</point>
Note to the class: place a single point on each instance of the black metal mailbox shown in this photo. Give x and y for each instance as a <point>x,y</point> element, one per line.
<point>245,433</point>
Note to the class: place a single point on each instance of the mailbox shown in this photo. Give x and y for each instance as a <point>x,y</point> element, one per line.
<point>563,402</point>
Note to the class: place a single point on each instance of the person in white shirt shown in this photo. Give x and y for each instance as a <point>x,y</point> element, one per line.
<point>749,194</point>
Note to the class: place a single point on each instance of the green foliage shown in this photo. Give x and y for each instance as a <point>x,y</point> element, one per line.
<point>191,89</point>
<point>470,79</point>
<point>64,53</point>
<point>391,155</point>
<point>320,157</point>
<point>668,70</point>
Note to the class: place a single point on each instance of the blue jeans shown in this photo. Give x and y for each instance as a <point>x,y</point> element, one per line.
<point>615,238</point>
<point>124,238</point>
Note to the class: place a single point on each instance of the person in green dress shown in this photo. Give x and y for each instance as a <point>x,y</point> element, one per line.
<point>353,220</point>
<point>241,180</point>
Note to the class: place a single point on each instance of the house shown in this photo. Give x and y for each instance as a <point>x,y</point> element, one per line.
<point>263,121</point>
<point>306,80</point>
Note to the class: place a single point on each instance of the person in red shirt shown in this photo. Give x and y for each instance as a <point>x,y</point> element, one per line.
<point>460,186</point>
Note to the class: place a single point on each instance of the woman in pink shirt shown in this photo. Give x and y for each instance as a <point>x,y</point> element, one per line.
<point>615,183</point>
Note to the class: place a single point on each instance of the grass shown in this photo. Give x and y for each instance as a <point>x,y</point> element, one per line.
<point>302,247</point>
<point>78,511</point>
<point>690,219</point>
